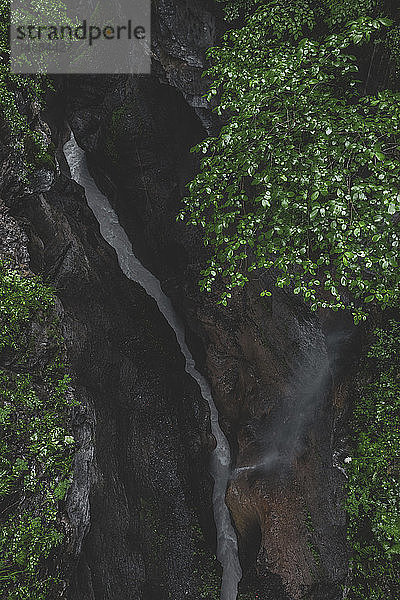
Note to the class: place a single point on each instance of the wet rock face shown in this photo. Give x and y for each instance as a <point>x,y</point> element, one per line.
<point>141,485</point>
<point>270,362</point>
<point>139,509</point>
<point>278,388</point>
<point>271,377</point>
<point>148,477</point>
<point>182,32</point>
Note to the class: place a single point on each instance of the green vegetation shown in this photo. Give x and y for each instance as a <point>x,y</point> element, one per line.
<point>373,502</point>
<point>27,140</point>
<point>330,11</point>
<point>35,447</point>
<point>341,11</point>
<point>235,9</point>
<point>302,180</point>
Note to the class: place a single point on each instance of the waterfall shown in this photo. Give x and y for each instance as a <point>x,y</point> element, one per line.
<point>115,235</point>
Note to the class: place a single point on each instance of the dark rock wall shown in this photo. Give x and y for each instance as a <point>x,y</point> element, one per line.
<point>271,362</point>
<point>141,486</point>
<point>139,510</point>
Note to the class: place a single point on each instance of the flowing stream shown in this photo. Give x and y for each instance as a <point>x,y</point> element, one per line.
<point>115,235</point>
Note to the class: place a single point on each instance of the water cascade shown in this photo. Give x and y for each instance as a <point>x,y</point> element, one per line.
<point>115,235</point>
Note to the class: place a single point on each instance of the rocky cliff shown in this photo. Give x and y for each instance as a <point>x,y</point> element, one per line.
<point>273,365</point>
<point>139,510</point>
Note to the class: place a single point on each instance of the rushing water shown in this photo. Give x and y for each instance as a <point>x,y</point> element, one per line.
<point>115,235</point>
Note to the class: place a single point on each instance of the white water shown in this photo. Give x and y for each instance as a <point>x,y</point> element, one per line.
<point>115,235</point>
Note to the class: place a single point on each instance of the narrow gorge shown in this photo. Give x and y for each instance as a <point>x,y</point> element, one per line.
<point>165,444</point>
<point>114,234</point>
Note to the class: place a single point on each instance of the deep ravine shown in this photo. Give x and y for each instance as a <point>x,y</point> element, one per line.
<point>115,235</point>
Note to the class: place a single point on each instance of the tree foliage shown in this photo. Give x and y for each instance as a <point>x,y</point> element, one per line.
<point>234,9</point>
<point>35,446</point>
<point>373,502</point>
<point>12,86</point>
<point>330,11</point>
<point>303,179</point>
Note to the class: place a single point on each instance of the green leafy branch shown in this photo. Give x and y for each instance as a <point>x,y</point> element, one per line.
<point>303,178</point>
